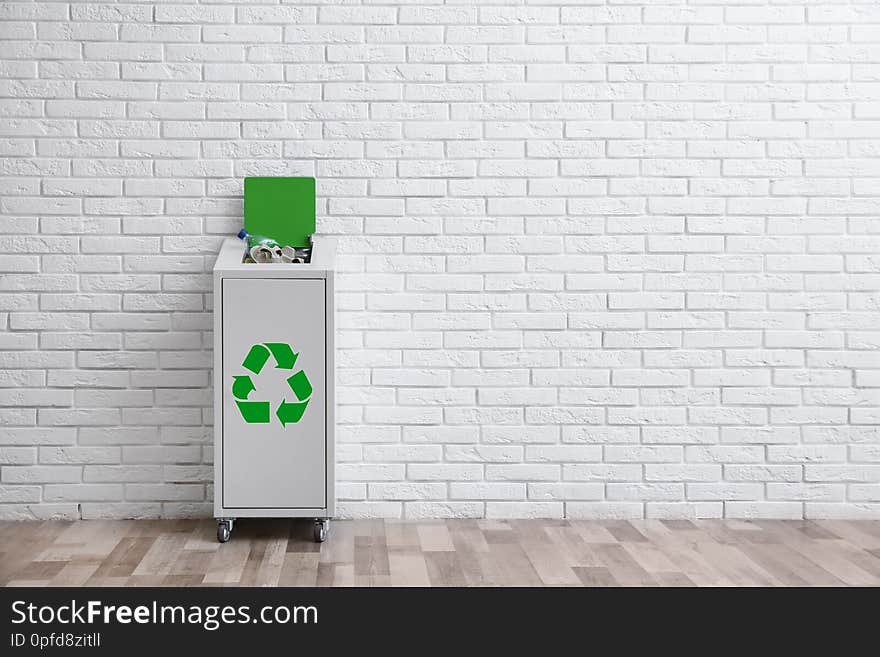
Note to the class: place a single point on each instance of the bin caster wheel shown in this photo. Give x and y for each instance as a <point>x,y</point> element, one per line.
<point>321,529</point>
<point>224,530</point>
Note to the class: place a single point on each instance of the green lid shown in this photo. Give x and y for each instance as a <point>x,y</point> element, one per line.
<point>280,208</point>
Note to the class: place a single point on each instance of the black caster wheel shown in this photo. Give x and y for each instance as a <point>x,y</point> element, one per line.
<point>224,530</point>
<point>321,529</point>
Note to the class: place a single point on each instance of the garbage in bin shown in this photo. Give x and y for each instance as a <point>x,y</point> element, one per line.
<point>274,364</point>
<point>262,249</point>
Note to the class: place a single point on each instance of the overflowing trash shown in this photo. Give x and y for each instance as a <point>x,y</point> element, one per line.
<point>261,249</point>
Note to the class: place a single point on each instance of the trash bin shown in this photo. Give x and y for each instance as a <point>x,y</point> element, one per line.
<point>273,389</point>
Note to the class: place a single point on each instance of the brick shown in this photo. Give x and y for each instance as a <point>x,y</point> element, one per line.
<point>487,491</point>
<point>566,491</point>
<point>524,510</point>
<point>757,510</point>
<point>423,510</point>
<point>605,510</point>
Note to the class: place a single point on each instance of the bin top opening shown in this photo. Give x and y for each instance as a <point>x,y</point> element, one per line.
<point>230,260</point>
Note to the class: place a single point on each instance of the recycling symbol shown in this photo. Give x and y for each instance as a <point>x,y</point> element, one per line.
<point>259,412</point>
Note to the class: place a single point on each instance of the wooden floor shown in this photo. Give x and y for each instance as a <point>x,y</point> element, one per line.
<point>442,553</point>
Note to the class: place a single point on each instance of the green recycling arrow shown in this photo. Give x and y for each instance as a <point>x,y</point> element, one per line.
<point>259,412</point>
<point>284,356</point>
<point>254,411</point>
<point>289,413</point>
<point>300,385</point>
<point>242,386</point>
<point>256,358</point>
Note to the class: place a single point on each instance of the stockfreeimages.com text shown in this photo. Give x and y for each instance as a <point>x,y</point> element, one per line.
<point>210,617</point>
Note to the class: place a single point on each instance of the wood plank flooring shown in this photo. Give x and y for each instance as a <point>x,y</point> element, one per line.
<point>442,553</point>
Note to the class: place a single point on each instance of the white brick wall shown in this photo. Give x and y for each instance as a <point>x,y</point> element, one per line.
<point>599,259</point>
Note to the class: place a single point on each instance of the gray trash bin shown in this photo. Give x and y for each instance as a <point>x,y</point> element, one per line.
<point>273,389</point>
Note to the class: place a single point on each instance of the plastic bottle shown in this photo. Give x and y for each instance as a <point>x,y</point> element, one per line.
<point>257,240</point>
<point>260,247</point>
